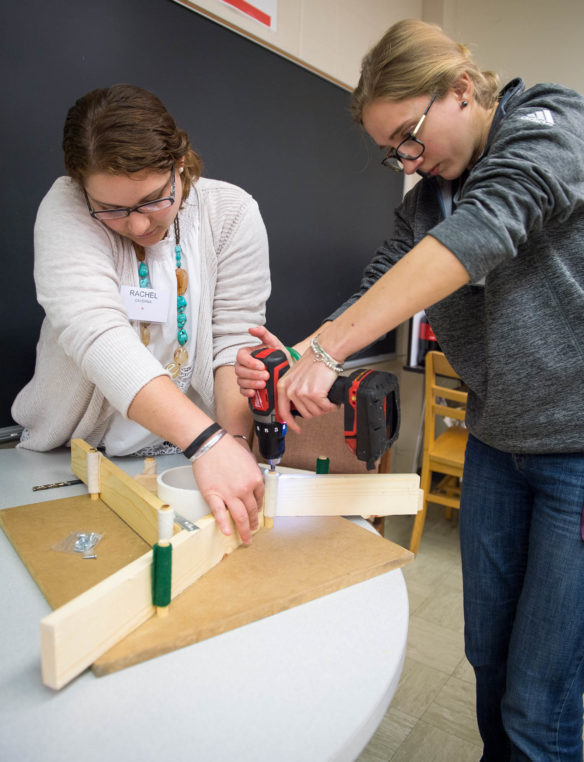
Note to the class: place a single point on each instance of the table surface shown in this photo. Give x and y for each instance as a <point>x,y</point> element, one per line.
<point>311,683</point>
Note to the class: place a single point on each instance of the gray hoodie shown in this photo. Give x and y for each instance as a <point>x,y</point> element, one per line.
<point>516,336</point>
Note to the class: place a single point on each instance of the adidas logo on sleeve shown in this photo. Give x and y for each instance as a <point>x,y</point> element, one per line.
<point>542,116</point>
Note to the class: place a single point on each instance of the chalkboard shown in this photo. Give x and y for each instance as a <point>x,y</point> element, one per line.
<point>258,120</point>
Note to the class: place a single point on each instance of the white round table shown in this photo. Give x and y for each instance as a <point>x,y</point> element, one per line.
<point>311,683</point>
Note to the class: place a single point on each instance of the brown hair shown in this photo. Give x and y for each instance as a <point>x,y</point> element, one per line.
<point>123,129</point>
<point>416,58</point>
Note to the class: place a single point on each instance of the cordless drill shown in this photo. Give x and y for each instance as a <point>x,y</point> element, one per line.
<point>371,406</point>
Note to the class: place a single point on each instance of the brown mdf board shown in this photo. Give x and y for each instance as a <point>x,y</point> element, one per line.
<point>35,529</point>
<point>300,559</point>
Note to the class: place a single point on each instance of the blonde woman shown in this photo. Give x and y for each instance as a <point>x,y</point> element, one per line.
<point>490,244</point>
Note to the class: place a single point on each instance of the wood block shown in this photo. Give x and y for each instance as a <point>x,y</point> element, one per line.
<point>299,560</point>
<point>345,495</point>
<point>150,481</point>
<point>148,478</point>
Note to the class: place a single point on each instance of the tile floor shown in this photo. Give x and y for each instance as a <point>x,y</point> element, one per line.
<point>432,717</point>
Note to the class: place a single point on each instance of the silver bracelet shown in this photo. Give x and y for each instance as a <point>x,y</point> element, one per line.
<point>240,436</point>
<point>321,356</point>
<point>208,444</point>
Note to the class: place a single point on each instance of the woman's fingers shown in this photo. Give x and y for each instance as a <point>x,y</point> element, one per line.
<point>306,385</point>
<point>219,511</point>
<point>267,339</point>
<point>230,481</point>
<point>251,373</point>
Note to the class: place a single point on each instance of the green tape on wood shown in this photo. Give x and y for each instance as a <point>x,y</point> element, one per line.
<point>161,574</point>
<point>322,465</point>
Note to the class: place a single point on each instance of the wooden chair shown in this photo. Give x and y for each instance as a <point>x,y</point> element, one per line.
<point>325,436</point>
<point>443,455</point>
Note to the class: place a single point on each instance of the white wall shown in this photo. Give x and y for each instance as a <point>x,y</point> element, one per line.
<point>538,40</point>
<point>329,35</point>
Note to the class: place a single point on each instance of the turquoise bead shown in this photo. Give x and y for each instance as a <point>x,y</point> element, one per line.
<point>181,319</point>
<point>182,337</point>
<point>144,275</point>
<point>181,303</point>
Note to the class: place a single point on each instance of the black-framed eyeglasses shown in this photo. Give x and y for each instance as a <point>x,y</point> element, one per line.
<point>157,205</point>
<point>410,148</point>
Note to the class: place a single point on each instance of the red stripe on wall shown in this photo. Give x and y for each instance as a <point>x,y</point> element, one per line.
<point>251,10</point>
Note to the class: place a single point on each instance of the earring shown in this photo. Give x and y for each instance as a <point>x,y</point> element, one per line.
<point>181,170</point>
<point>463,104</point>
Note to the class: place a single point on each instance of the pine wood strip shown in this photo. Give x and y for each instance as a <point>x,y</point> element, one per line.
<point>133,503</point>
<point>193,554</point>
<point>347,495</point>
<point>75,635</point>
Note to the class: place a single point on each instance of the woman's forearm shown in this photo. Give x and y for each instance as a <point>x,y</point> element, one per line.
<point>233,411</point>
<point>424,276</point>
<point>165,411</point>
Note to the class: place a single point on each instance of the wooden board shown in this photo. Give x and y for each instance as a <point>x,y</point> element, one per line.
<point>343,495</point>
<point>134,504</point>
<point>34,529</point>
<point>299,560</point>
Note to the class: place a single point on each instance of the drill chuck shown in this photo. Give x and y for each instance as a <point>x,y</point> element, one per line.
<point>271,440</point>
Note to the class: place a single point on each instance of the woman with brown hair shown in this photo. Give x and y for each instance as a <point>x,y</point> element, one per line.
<point>489,243</point>
<point>149,275</point>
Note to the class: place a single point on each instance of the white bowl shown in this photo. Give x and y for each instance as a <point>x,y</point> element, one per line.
<point>178,488</point>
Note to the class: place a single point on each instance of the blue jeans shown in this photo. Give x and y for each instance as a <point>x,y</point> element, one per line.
<point>523,581</point>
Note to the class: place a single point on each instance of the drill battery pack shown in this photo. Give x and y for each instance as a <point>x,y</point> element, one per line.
<point>372,412</point>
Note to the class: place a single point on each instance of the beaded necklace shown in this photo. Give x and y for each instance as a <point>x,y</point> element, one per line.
<point>181,355</point>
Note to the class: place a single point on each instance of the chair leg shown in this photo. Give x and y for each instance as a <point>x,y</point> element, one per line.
<point>378,523</point>
<point>420,519</point>
<point>418,528</point>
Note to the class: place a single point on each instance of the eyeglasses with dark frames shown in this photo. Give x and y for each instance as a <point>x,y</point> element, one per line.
<point>409,149</point>
<point>157,205</point>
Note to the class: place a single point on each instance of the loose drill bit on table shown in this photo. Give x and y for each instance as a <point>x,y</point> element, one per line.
<point>57,484</point>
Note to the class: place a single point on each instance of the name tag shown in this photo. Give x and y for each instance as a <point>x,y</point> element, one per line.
<point>150,305</point>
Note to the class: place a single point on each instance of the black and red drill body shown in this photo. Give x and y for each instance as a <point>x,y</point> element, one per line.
<point>371,407</point>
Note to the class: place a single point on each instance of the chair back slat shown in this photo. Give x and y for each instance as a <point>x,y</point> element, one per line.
<point>443,450</point>
<point>441,365</point>
<point>456,395</point>
<point>449,412</point>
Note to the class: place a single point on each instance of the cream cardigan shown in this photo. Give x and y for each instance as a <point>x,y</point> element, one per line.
<point>90,360</point>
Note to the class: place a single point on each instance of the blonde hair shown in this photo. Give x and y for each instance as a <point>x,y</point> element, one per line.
<point>124,129</point>
<point>416,58</point>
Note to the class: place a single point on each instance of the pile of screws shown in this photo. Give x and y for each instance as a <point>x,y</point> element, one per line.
<point>85,542</point>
